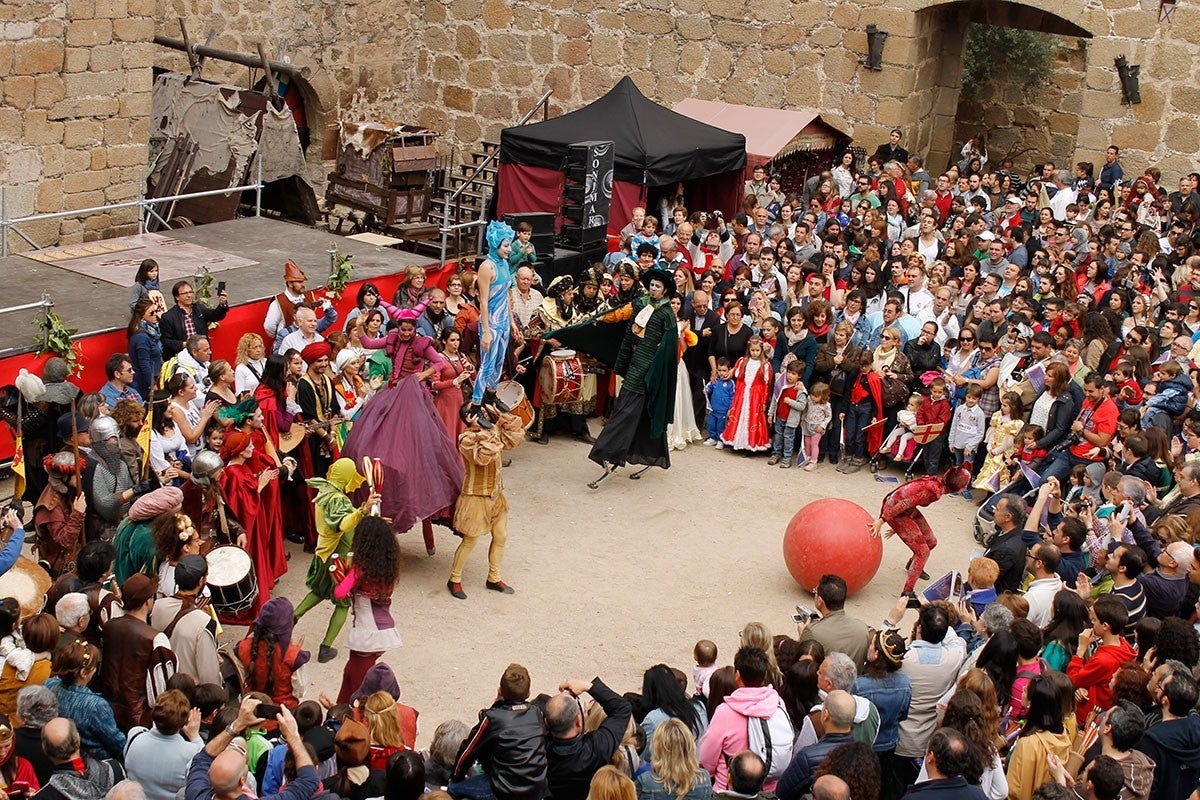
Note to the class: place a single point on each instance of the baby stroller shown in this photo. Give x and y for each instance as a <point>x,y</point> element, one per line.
<point>922,436</point>
<point>985,525</point>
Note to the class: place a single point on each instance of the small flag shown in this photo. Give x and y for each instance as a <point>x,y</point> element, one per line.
<point>993,482</point>
<point>1034,479</point>
<point>18,469</point>
<point>143,440</point>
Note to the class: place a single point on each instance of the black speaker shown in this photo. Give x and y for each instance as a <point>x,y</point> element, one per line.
<point>591,165</point>
<point>541,222</point>
<point>578,237</point>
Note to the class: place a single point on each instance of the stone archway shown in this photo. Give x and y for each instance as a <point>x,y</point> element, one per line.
<point>940,31</point>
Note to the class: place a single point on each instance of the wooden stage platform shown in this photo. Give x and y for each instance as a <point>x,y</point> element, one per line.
<point>93,305</point>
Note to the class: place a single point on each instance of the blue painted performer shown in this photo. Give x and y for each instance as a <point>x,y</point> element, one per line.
<point>493,280</point>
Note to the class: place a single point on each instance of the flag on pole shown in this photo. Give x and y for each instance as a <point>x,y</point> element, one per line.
<point>143,440</point>
<point>18,468</point>
<point>1034,479</point>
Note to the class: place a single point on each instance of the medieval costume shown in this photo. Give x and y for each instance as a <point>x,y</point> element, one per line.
<point>369,582</point>
<point>558,311</point>
<point>134,541</point>
<point>400,427</point>
<point>648,360</point>
<point>336,520</point>
<point>482,507</point>
<point>295,503</point>
<point>315,396</point>
<point>58,522</point>
<point>106,480</point>
<point>271,660</point>
<point>746,427</point>
<point>900,512</point>
<point>258,510</point>
<point>683,430</point>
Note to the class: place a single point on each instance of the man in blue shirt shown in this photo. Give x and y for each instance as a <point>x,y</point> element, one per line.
<point>119,370</point>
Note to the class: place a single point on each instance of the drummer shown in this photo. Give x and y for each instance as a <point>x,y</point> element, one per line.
<point>558,311</point>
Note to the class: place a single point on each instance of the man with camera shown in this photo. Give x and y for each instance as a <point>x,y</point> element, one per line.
<point>830,625</point>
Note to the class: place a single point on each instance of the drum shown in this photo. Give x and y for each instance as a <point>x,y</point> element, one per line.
<point>27,583</point>
<point>561,378</point>
<point>231,580</point>
<point>512,394</point>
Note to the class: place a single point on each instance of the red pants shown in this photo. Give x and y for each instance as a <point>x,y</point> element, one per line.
<point>915,532</point>
<point>354,672</point>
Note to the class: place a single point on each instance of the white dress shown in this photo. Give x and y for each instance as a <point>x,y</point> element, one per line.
<point>682,430</point>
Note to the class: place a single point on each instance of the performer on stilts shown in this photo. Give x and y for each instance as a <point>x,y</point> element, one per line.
<point>400,427</point>
<point>901,512</point>
<point>482,507</point>
<point>493,282</point>
<point>369,582</point>
<point>637,429</point>
<point>337,517</point>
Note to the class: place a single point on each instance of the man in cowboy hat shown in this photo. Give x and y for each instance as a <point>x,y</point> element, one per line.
<point>281,313</point>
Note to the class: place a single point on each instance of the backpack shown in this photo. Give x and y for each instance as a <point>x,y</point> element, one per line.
<point>771,739</point>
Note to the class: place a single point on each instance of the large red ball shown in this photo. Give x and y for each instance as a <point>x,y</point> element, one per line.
<point>832,535</point>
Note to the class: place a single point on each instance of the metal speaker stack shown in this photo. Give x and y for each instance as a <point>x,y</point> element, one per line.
<point>587,199</point>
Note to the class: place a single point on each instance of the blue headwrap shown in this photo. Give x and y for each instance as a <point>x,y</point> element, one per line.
<point>498,232</point>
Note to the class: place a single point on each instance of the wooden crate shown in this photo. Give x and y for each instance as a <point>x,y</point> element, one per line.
<point>413,151</point>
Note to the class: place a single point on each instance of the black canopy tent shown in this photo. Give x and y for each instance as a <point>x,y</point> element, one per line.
<point>654,147</point>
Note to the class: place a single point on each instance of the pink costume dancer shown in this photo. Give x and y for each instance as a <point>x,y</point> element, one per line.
<point>422,471</point>
<point>900,510</point>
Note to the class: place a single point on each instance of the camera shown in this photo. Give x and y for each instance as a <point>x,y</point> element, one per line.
<point>716,213</point>
<point>805,614</point>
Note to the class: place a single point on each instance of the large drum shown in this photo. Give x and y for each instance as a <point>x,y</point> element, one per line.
<point>231,580</point>
<point>28,583</point>
<point>512,394</point>
<point>561,378</point>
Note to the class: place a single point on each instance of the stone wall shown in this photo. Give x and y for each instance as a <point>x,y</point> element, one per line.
<point>74,123</point>
<point>76,73</point>
<point>1033,125</point>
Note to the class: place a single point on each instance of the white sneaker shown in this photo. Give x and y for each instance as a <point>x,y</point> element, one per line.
<point>709,442</point>
<point>720,445</point>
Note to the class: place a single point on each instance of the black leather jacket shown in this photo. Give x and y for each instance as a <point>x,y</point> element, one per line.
<point>509,742</point>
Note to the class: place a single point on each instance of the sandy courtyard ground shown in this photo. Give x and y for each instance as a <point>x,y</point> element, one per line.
<point>612,581</point>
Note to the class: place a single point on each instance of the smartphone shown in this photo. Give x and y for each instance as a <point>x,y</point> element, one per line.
<point>220,286</point>
<point>266,711</point>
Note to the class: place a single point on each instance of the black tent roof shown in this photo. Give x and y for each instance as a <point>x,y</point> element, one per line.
<point>653,144</point>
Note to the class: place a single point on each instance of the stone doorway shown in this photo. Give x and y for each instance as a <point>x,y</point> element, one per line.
<point>1004,114</point>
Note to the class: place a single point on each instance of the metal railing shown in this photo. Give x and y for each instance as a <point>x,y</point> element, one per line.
<point>446,228</point>
<point>145,206</point>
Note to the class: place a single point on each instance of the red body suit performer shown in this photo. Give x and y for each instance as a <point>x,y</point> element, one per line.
<point>901,512</point>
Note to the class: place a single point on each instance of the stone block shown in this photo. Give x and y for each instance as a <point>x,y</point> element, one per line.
<point>785,34</point>
<point>494,106</point>
<point>40,130</point>
<point>497,14</point>
<point>572,25</point>
<point>691,59</point>
<point>467,42</point>
<point>1183,135</point>
<point>76,59</point>
<point>458,98</point>
<point>80,199</point>
<point>435,14</point>
<point>606,49</point>
<point>1063,123</point>
<point>138,29</point>
<point>656,23</point>
<point>19,91</point>
<point>826,36</point>
<point>686,7</point>
<point>127,155</point>
<point>49,195</point>
<point>52,160</point>
<point>1186,25</point>
<point>116,131</point>
<point>541,49</point>
<point>481,74</point>
<point>37,57</point>
<point>1152,105</point>
<point>574,52</point>
<point>90,32</point>
<point>433,117</point>
<point>82,9</point>
<point>694,28</point>
<point>808,14</point>
<point>111,9</point>
<point>737,33</point>
<point>99,158</point>
<point>1134,135</point>
<point>446,69</point>
<point>94,84</point>
<point>141,8</point>
<point>846,16</point>
<point>1135,24</point>
<point>896,21</point>
<point>135,106</point>
<point>138,56</point>
<point>771,11</point>
<point>778,62</point>
<point>720,63</point>
<point>105,58</point>
<point>85,181</point>
<point>82,133</point>
<point>47,90</point>
<point>594,82</point>
<point>840,65</point>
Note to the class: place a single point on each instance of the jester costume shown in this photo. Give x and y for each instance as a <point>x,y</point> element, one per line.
<point>336,520</point>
